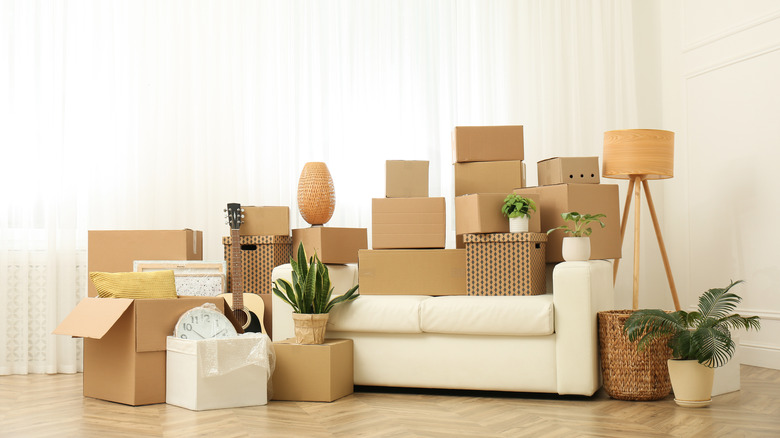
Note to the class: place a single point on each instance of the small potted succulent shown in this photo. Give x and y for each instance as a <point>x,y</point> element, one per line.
<point>518,210</point>
<point>309,295</point>
<point>700,341</point>
<point>577,246</point>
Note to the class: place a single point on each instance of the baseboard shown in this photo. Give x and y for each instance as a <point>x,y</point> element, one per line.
<point>760,355</point>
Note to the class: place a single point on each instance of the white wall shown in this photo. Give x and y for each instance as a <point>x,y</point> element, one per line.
<point>720,67</point>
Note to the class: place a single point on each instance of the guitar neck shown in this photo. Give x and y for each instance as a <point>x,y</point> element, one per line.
<point>237,272</point>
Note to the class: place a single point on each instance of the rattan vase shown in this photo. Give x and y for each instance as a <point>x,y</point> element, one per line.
<point>629,374</point>
<point>310,328</point>
<point>316,194</point>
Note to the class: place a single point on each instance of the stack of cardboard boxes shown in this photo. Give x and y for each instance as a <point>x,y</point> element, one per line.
<point>408,236</point>
<point>488,167</point>
<point>265,244</point>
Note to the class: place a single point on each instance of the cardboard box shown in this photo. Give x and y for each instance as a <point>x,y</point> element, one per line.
<point>568,170</point>
<point>505,264</point>
<point>125,343</point>
<point>488,177</point>
<point>584,199</point>
<point>481,213</point>
<point>217,373</point>
<point>265,221</point>
<point>487,143</point>
<point>259,256</point>
<point>115,251</point>
<point>408,223</point>
<point>333,245</point>
<point>412,272</point>
<point>313,372</point>
<point>406,179</point>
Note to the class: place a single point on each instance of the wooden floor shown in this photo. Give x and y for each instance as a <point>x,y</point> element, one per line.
<point>52,406</point>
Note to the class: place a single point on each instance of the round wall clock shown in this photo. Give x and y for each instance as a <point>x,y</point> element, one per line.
<point>203,323</point>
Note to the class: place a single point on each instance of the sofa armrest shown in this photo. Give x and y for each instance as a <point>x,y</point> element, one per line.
<point>580,291</point>
<point>342,277</point>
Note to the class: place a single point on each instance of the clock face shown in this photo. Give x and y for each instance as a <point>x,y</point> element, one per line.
<point>200,323</point>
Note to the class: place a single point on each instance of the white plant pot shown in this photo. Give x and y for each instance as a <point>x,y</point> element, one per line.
<point>691,382</point>
<point>518,224</point>
<point>576,249</point>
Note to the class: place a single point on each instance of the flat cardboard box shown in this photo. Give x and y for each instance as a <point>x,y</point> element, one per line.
<point>584,199</point>
<point>487,143</point>
<point>568,170</point>
<point>412,272</point>
<point>125,343</point>
<point>217,373</point>
<point>488,177</point>
<point>408,223</point>
<point>500,264</point>
<point>333,245</point>
<point>317,373</point>
<point>115,251</point>
<point>265,221</point>
<point>481,213</point>
<point>406,179</point>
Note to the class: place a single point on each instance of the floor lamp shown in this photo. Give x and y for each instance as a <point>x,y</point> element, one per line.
<point>639,155</point>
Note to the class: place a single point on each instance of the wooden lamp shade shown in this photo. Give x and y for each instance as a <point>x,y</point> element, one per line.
<point>646,152</point>
<point>316,194</point>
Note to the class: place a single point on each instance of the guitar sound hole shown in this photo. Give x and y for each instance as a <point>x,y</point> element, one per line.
<point>248,247</point>
<point>241,317</point>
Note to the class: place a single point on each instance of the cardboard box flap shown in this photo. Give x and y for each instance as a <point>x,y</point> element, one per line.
<point>93,317</point>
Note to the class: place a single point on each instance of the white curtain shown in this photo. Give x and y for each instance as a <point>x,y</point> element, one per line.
<point>154,115</point>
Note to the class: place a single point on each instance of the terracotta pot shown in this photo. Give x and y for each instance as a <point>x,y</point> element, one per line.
<point>691,383</point>
<point>576,249</point>
<point>310,328</point>
<point>518,224</point>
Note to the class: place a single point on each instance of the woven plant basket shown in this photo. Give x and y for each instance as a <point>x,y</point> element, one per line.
<point>316,194</point>
<point>310,328</point>
<point>629,374</point>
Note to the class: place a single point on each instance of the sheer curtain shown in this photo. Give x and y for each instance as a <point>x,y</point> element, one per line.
<point>154,115</point>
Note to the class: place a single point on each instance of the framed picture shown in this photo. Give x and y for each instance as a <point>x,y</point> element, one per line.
<point>193,278</point>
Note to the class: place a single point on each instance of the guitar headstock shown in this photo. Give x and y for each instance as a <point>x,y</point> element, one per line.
<point>235,215</point>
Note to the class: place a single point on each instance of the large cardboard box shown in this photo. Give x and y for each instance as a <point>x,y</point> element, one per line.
<point>406,179</point>
<point>125,343</point>
<point>488,177</point>
<point>568,170</point>
<point>481,213</point>
<point>408,223</point>
<point>584,199</point>
<point>265,221</point>
<point>320,373</point>
<point>217,373</point>
<point>332,245</point>
<point>487,143</point>
<point>115,251</point>
<point>505,264</point>
<point>412,272</point>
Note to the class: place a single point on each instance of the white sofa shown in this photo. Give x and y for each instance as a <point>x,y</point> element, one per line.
<point>544,343</point>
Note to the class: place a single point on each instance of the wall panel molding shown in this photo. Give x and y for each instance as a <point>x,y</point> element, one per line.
<point>735,60</point>
<point>733,30</point>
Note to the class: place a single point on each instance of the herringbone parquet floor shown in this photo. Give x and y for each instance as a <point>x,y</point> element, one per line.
<point>52,406</point>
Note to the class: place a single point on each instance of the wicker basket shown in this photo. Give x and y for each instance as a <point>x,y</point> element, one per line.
<point>630,374</point>
<point>316,194</point>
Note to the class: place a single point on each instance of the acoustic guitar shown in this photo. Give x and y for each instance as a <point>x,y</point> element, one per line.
<point>247,308</point>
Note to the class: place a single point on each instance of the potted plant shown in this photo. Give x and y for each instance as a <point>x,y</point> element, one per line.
<point>518,210</point>
<point>700,341</point>
<point>310,297</point>
<point>577,246</point>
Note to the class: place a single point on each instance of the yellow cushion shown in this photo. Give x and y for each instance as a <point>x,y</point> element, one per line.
<point>155,284</point>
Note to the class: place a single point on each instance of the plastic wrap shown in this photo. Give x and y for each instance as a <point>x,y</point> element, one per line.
<point>221,356</point>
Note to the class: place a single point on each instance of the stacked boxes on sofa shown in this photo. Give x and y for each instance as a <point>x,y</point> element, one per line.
<point>268,246</point>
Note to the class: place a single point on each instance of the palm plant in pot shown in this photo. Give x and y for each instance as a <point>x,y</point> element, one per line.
<point>310,297</point>
<point>577,246</point>
<point>518,210</point>
<point>700,341</point>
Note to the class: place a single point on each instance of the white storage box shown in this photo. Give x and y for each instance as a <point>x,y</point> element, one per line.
<point>219,373</point>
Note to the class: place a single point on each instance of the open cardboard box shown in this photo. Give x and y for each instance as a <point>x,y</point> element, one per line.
<point>125,344</point>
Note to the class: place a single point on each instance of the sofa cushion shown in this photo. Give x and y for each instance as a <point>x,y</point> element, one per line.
<point>378,314</point>
<point>490,315</point>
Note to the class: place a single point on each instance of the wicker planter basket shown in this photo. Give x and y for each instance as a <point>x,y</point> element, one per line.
<point>629,374</point>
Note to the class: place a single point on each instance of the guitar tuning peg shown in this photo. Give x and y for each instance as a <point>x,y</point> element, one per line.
<point>242,210</point>
<point>242,216</point>
<point>225,210</point>
<point>226,223</point>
